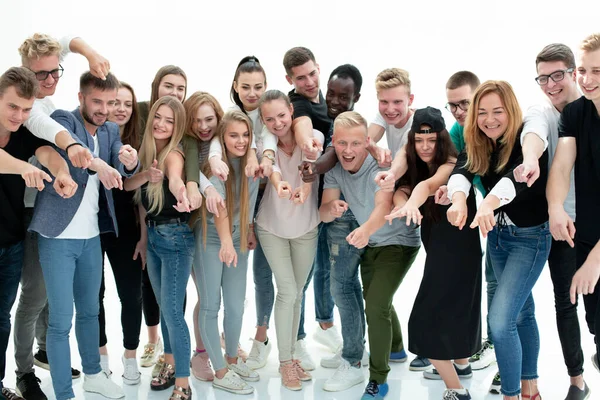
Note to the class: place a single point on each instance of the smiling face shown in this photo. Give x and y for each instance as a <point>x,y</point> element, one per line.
<point>351,146</point>
<point>206,122</point>
<point>236,138</point>
<point>425,144</point>
<point>559,93</point>
<point>96,104</point>
<point>163,123</point>
<point>588,74</point>
<point>46,63</point>
<point>460,95</point>
<point>250,86</point>
<point>277,117</point>
<point>492,118</point>
<point>305,79</point>
<point>394,105</point>
<point>121,112</point>
<point>14,110</point>
<point>340,96</point>
<point>172,85</point>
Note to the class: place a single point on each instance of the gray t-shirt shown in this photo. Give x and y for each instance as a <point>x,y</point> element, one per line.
<point>252,192</point>
<point>359,192</point>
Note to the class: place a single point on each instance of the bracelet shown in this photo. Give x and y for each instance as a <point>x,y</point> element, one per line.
<point>270,157</point>
<point>71,145</point>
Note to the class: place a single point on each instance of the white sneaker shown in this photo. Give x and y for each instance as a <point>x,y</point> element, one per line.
<point>329,338</point>
<point>258,354</point>
<point>151,353</point>
<point>344,378</point>
<point>336,360</point>
<point>232,383</point>
<point>484,357</point>
<point>243,370</point>
<point>104,364</point>
<point>100,383</point>
<point>131,373</point>
<point>302,355</point>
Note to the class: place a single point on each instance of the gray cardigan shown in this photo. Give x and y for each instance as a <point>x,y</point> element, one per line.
<point>52,214</point>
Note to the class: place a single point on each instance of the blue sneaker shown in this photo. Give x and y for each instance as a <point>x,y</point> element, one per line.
<point>398,356</point>
<point>419,364</point>
<point>375,391</point>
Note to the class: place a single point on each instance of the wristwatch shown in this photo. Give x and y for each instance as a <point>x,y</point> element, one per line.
<point>271,157</point>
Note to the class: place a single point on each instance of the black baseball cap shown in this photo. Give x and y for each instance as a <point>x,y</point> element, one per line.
<point>428,116</point>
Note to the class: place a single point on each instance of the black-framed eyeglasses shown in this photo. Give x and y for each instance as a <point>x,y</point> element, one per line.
<point>463,105</point>
<point>556,76</point>
<point>43,75</point>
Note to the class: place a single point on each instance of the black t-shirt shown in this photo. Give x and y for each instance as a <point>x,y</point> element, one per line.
<point>21,145</point>
<point>529,207</point>
<point>580,120</point>
<point>167,212</point>
<point>317,112</point>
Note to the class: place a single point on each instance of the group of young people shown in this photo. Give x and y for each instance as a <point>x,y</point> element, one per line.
<point>175,187</point>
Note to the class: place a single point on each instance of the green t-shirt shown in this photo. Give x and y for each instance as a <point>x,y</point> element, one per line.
<point>458,138</point>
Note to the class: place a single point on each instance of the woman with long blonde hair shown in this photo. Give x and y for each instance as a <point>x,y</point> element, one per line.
<point>222,264</point>
<point>514,218</point>
<point>170,240</point>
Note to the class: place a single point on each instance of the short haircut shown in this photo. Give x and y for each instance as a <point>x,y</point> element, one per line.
<point>556,52</point>
<point>37,46</point>
<point>88,80</point>
<point>350,119</point>
<point>296,57</point>
<point>22,79</point>
<point>462,78</point>
<point>590,43</point>
<point>391,78</point>
<point>349,71</point>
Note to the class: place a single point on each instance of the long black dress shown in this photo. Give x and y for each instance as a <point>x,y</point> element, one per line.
<point>445,322</point>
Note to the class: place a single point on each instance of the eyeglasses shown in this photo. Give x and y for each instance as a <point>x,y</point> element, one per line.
<point>556,76</point>
<point>43,75</point>
<point>463,105</point>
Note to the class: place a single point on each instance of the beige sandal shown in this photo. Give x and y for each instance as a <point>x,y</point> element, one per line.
<point>185,394</point>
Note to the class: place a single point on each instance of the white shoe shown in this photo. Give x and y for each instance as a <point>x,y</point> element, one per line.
<point>232,383</point>
<point>131,373</point>
<point>151,353</point>
<point>243,370</point>
<point>344,377</point>
<point>302,355</point>
<point>258,354</point>
<point>104,364</point>
<point>484,357</point>
<point>336,360</point>
<point>102,384</point>
<point>329,338</point>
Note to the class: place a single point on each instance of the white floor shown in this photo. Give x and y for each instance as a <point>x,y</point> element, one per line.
<point>404,384</point>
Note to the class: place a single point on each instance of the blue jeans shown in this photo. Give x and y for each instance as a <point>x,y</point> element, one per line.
<point>169,261</point>
<point>264,291</point>
<point>518,256</point>
<point>345,286</point>
<point>11,263</point>
<point>72,271</point>
<point>491,284</point>
<point>214,276</point>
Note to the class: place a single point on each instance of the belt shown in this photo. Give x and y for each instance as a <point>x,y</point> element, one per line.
<point>166,221</point>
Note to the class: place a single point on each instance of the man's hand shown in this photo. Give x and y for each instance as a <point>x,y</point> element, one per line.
<point>308,170</point>
<point>128,157</point>
<point>214,201</point>
<point>183,203</point>
<point>79,156</point>
<point>484,219</point>
<point>140,250</point>
<point>528,172</point>
<point>338,208</point>
<point>561,225</point>
<point>585,279</point>
<point>64,186</point>
<point>441,196</point>
<point>412,214</point>
<point>35,177</point>
<point>383,156</point>
<point>385,180</point>
<point>311,148</point>
<point>110,177</point>
<point>358,238</point>
<point>218,168</point>
<point>154,174</point>
<point>284,190</point>
<point>99,66</point>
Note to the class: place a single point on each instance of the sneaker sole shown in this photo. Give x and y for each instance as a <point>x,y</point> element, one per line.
<point>234,391</point>
<point>437,377</point>
<point>202,379</point>
<point>399,360</point>
<point>103,394</point>
<point>495,389</point>
<point>341,388</point>
<point>250,379</point>
<point>418,369</point>
<point>132,382</point>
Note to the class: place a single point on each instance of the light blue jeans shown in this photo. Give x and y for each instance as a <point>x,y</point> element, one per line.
<point>518,256</point>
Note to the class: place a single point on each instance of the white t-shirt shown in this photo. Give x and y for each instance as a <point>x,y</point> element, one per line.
<point>396,137</point>
<point>282,217</point>
<point>542,119</point>
<point>84,224</point>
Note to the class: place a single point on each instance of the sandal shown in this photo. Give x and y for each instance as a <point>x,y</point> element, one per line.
<point>185,394</point>
<point>536,396</point>
<point>165,378</point>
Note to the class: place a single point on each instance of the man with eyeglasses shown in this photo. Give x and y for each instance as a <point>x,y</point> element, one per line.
<point>42,54</point>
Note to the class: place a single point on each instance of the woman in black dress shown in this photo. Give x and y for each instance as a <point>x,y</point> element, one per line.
<point>445,323</point>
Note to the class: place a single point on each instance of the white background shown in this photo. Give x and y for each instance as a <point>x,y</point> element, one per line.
<point>432,40</point>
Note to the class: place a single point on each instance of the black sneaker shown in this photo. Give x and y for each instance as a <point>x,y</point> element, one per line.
<point>28,386</point>
<point>465,373</point>
<point>450,394</point>
<point>40,359</point>
<point>496,384</point>
<point>577,394</point>
<point>10,394</point>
